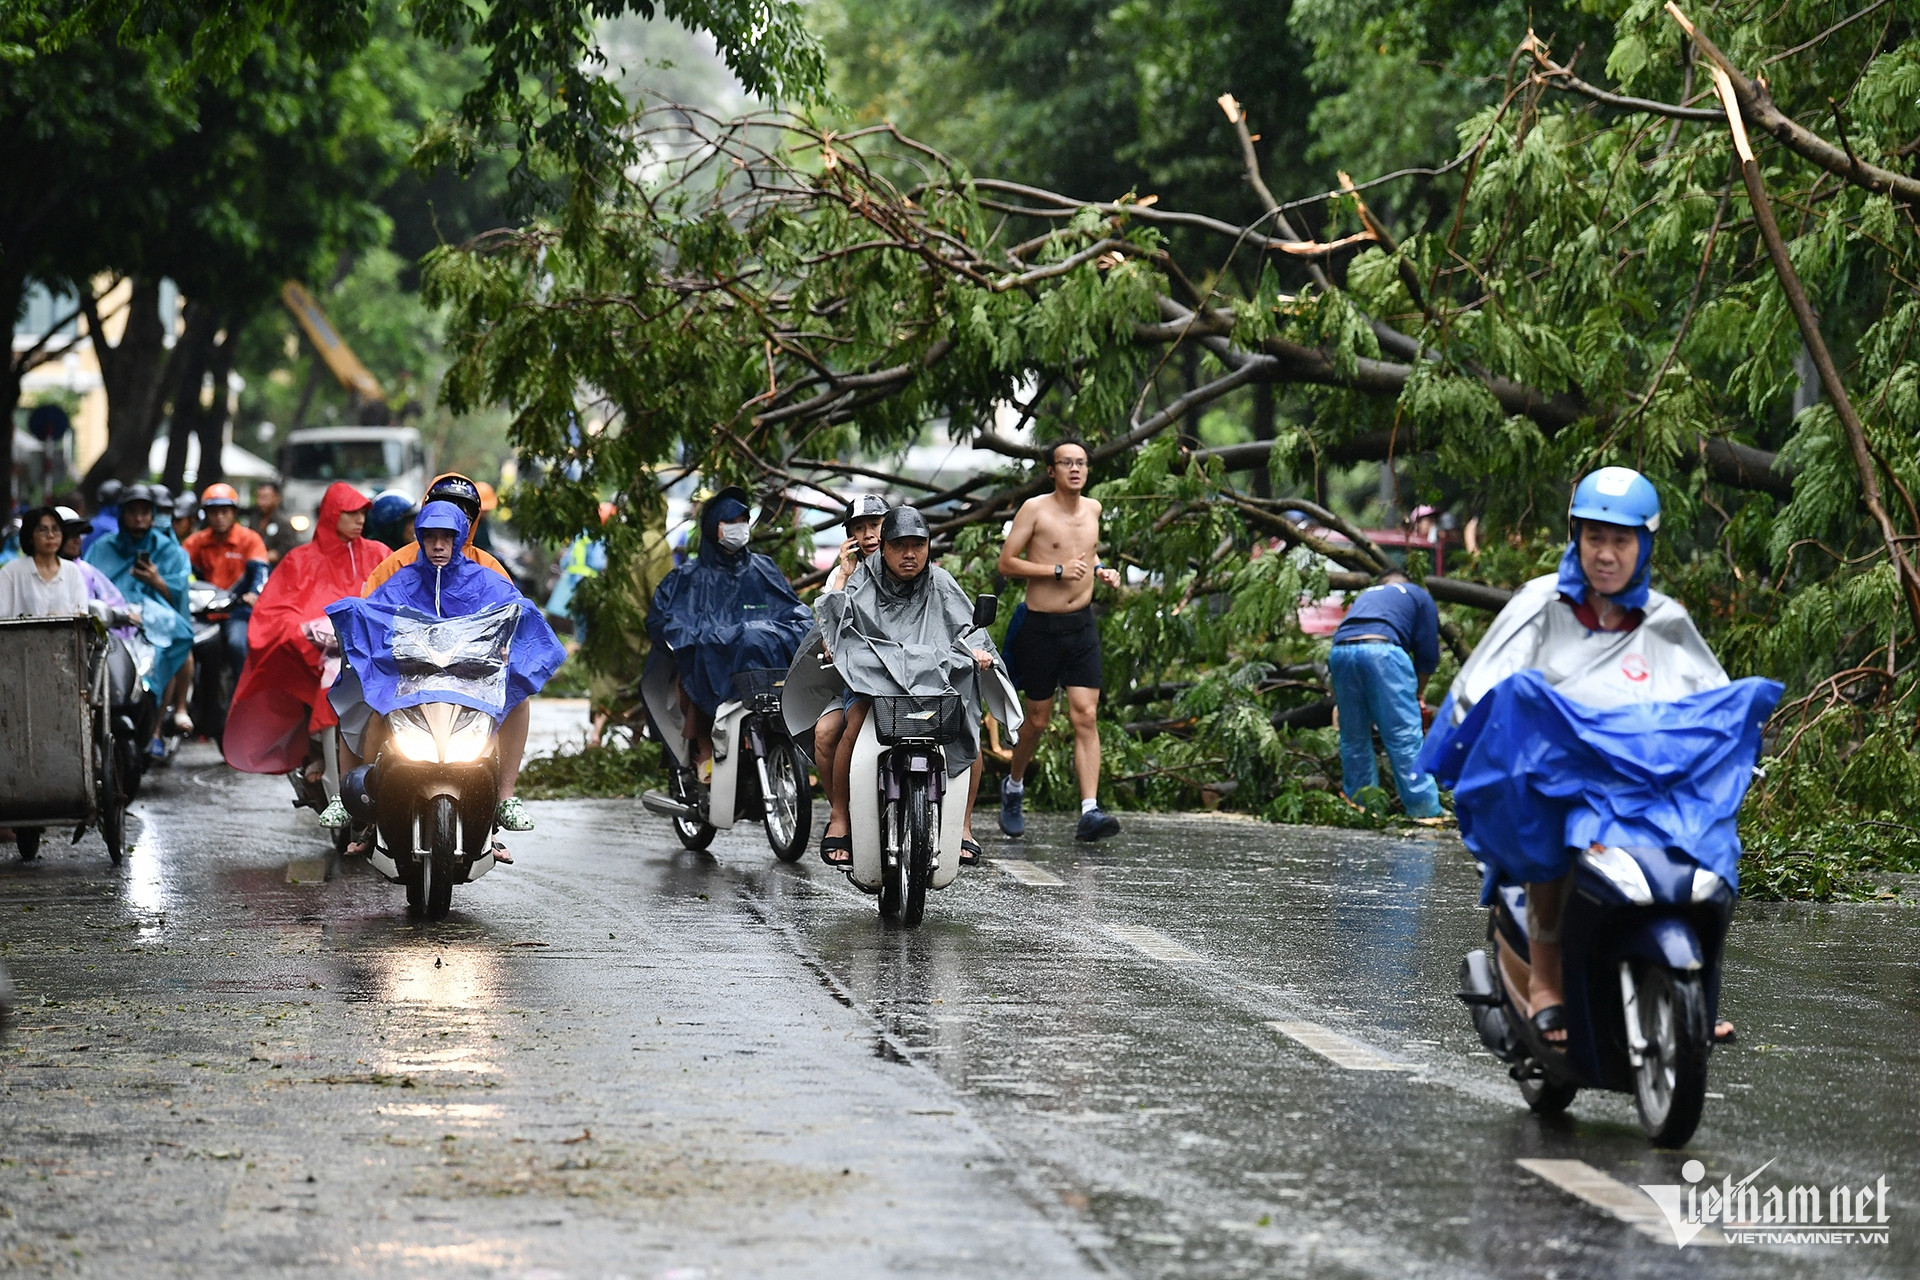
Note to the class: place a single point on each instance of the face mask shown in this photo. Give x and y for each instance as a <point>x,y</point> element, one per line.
<point>734,536</point>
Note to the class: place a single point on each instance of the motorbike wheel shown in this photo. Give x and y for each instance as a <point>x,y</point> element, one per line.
<point>111,803</point>
<point>918,863</point>
<point>1670,1087</point>
<point>212,694</point>
<point>694,834</point>
<point>789,808</point>
<point>416,884</point>
<point>1544,1095</point>
<point>893,830</point>
<point>436,872</point>
<point>28,839</point>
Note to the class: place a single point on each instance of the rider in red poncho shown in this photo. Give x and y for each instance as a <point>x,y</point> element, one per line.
<point>280,703</point>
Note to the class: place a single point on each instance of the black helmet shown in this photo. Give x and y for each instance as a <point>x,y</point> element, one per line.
<point>865,506</point>
<point>458,490</point>
<point>162,500</point>
<point>109,493</point>
<point>139,493</point>
<point>904,522</point>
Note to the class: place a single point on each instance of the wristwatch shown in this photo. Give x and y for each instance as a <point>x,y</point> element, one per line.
<point>1058,570</point>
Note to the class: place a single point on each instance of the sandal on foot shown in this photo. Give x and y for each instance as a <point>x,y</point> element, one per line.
<point>1723,1033</point>
<point>1549,1020</point>
<point>500,854</point>
<point>837,851</point>
<point>970,853</point>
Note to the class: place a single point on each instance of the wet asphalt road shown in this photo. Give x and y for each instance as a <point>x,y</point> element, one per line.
<point>619,1058</point>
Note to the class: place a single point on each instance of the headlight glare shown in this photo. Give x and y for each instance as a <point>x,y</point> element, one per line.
<point>412,737</point>
<point>472,731</point>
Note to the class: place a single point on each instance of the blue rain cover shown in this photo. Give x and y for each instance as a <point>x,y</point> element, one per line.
<point>461,617</point>
<point>1535,775</point>
<point>721,613</point>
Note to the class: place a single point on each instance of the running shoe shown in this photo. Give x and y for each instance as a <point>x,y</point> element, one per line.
<point>1096,824</point>
<point>1012,821</point>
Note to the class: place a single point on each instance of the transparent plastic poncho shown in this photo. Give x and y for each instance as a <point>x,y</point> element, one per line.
<point>466,656</point>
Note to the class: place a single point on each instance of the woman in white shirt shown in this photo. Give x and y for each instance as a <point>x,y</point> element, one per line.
<point>40,584</point>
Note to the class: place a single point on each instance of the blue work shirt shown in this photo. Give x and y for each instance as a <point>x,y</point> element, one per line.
<point>1402,612</point>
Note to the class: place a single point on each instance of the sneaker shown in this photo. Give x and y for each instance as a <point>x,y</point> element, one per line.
<point>1012,821</point>
<point>513,816</point>
<point>334,816</point>
<point>1096,824</point>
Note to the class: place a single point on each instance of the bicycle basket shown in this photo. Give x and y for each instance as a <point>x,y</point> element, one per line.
<point>939,717</point>
<point>760,690</point>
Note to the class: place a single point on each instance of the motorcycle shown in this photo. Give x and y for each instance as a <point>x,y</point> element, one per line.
<point>906,822</point>
<point>433,792</point>
<point>213,676</point>
<point>1641,938</point>
<point>135,710</point>
<point>747,727</point>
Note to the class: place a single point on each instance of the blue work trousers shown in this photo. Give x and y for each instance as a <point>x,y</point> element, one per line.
<point>1374,684</point>
<point>234,634</point>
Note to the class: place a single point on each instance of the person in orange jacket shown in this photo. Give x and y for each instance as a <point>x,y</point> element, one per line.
<point>465,494</point>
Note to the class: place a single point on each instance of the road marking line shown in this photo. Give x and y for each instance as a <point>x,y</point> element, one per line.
<point>1337,1049</point>
<point>1611,1196</point>
<point>1154,943</point>
<point>1026,873</point>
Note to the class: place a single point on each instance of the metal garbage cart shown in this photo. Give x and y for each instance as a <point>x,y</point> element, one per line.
<point>57,763</point>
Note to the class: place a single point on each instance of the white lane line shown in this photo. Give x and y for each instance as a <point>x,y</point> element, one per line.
<point>1337,1049</point>
<point>1026,873</point>
<point>1154,943</point>
<point>1613,1197</point>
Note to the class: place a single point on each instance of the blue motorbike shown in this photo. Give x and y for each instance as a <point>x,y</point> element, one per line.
<point>1641,939</point>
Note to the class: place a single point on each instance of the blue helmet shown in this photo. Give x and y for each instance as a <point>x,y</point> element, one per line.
<point>1617,495</point>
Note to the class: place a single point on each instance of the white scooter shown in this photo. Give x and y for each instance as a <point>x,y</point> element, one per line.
<point>758,771</point>
<point>907,816</point>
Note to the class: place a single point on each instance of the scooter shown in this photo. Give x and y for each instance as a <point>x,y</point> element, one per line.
<point>758,771</point>
<point>1641,938</point>
<point>433,793</point>
<point>907,815</point>
<point>135,708</point>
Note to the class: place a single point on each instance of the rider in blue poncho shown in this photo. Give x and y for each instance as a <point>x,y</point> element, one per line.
<point>440,584</point>
<point>724,611</point>
<point>1593,712</point>
<point>150,570</point>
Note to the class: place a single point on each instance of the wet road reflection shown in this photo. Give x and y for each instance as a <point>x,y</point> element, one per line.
<point>1209,1048</point>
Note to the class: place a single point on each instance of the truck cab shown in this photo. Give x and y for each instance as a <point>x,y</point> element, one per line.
<point>371,459</point>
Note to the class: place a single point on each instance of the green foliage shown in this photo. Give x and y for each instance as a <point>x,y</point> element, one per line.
<point>607,772</point>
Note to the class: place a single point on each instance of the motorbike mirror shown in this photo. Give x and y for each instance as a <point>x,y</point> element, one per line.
<point>985,610</point>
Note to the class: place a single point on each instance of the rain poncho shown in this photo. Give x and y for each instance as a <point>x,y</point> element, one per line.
<point>106,523</point>
<point>279,700</point>
<point>422,615</point>
<point>724,612</point>
<point>891,637</point>
<point>164,619</point>
<point>398,560</point>
<point>1554,737</point>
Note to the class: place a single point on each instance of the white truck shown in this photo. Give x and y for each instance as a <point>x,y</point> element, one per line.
<point>371,459</point>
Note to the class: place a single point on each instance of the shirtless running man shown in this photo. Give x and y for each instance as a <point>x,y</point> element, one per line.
<point>1052,548</point>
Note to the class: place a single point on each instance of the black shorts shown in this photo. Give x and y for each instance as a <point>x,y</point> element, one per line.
<point>1054,651</point>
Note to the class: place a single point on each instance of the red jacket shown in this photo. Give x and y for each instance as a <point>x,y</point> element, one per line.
<point>279,701</point>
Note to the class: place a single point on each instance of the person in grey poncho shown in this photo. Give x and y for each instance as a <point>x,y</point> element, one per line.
<point>901,626</point>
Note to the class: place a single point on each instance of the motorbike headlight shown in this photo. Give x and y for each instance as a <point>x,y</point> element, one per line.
<point>412,736</point>
<point>1617,867</point>
<point>472,731</point>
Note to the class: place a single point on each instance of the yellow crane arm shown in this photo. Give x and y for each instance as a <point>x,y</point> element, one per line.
<point>338,356</point>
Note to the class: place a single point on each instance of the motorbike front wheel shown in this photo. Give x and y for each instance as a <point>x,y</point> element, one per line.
<point>434,873</point>
<point>788,804</point>
<point>893,839</point>
<point>1670,1086</point>
<point>918,862</point>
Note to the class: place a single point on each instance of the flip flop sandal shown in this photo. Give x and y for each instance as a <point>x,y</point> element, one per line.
<point>1551,1018</point>
<point>841,845</point>
<point>970,853</point>
<point>500,854</point>
<point>1730,1036</point>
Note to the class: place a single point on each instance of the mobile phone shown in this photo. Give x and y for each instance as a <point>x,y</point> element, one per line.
<point>142,560</point>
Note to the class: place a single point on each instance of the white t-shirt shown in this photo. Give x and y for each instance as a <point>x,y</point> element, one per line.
<point>25,594</point>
